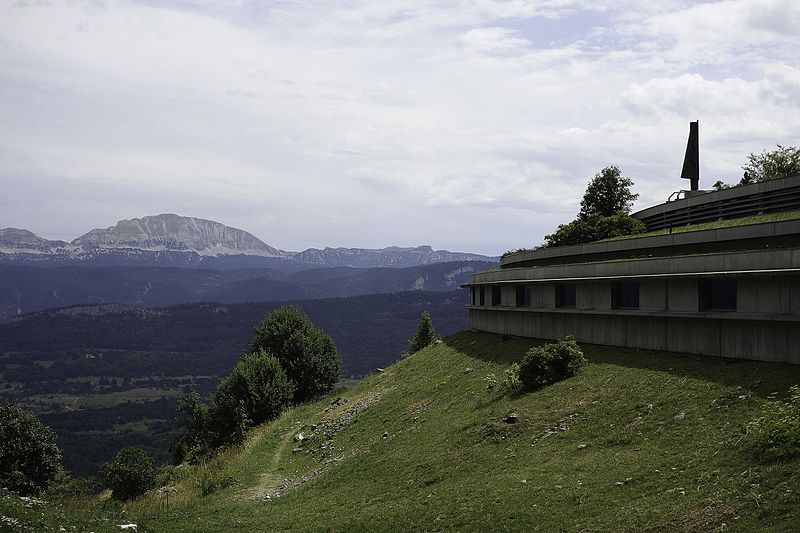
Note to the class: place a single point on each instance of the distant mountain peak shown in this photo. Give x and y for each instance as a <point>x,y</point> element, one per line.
<point>392,256</point>
<point>174,240</point>
<point>22,241</point>
<point>174,233</point>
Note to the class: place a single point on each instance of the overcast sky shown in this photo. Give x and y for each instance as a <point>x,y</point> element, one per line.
<point>466,125</point>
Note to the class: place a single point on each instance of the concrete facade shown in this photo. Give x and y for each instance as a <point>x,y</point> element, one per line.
<point>742,303</point>
<point>772,196</point>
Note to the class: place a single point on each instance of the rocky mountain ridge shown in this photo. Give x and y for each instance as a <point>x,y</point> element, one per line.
<point>393,256</point>
<point>174,240</point>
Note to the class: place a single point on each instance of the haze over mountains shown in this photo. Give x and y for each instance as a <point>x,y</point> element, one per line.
<point>173,240</point>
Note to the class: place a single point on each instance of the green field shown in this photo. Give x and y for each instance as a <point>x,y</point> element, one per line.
<point>638,441</point>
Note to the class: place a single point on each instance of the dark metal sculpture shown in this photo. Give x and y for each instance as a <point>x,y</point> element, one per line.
<point>691,161</point>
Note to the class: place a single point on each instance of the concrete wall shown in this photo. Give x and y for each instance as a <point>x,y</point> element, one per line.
<point>766,259</point>
<point>764,340</point>
<point>755,295</point>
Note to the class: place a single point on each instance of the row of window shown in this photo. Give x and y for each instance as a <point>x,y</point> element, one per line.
<point>713,295</point>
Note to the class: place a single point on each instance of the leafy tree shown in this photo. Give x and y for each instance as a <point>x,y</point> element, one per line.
<point>766,166</point>
<point>305,352</point>
<point>129,474</point>
<point>258,385</point>
<point>424,336</point>
<point>199,436</point>
<point>604,212</point>
<point>720,185</point>
<point>594,228</point>
<point>607,194</point>
<point>256,391</point>
<point>29,457</point>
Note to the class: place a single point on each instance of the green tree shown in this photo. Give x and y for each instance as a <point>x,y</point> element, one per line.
<point>129,474</point>
<point>258,385</point>
<point>594,228</point>
<point>29,457</point>
<point>766,166</point>
<point>257,390</point>
<point>199,436</point>
<point>604,212</point>
<point>424,336</point>
<point>607,194</point>
<point>305,352</point>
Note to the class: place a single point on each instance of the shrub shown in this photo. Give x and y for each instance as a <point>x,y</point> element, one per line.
<point>65,487</point>
<point>424,336</point>
<point>256,391</point>
<point>305,352</point>
<point>594,228</point>
<point>511,380</point>
<point>129,474</point>
<point>550,363</point>
<point>778,431</point>
<point>29,457</point>
<point>508,382</point>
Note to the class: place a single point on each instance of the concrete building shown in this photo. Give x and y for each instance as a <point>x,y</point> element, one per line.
<point>730,292</point>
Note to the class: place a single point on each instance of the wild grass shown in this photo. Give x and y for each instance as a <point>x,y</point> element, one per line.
<point>718,224</point>
<point>636,441</point>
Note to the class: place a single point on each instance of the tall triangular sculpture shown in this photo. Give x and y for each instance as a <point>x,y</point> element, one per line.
<point>691,161</point>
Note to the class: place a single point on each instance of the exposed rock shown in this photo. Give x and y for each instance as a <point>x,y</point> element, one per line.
<point>563,425</point>
<point>392,256</point>
<point>511,418</point>
<point>385,435</point>
<point>177,234</point>
<point>299,437</point>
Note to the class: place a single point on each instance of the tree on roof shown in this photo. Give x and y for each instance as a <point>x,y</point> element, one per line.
<point>775,164</point>
<point>607,194</point>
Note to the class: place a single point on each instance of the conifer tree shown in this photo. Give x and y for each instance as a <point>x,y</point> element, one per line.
<point>424,336</point>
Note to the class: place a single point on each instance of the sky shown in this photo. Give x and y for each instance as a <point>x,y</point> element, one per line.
<point>469,125</point>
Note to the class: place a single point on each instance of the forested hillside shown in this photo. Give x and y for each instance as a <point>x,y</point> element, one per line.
<point>24,289</point>
<point>81,366</point>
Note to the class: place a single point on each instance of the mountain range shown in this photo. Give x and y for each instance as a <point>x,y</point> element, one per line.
<point>174,240</point>
<point>28,288</point>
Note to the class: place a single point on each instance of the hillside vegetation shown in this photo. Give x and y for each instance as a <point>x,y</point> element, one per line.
<point>106,377</point>
<point>637,441</point>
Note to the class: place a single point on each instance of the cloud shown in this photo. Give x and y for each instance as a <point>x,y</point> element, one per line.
<point>463,124</point>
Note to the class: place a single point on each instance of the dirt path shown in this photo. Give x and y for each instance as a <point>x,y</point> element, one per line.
<point>335,418</point>
<point>271,480</point>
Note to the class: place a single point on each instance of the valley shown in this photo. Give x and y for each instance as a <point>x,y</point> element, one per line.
<point>106,376</point>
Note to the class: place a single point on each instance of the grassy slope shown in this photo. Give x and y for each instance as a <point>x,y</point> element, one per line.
<point>664,440</point>
<point>718,224</point>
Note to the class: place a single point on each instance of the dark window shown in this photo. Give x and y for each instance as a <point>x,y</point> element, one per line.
<point>718,295</point>
<point>473,295</point>
<point>495,295</point>
<point>483,295</point>
<point>625,295</point>
<point>523,296</point>
<point>565,295</point>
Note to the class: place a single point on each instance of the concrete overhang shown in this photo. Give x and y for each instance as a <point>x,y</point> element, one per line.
<point>749,236</point>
